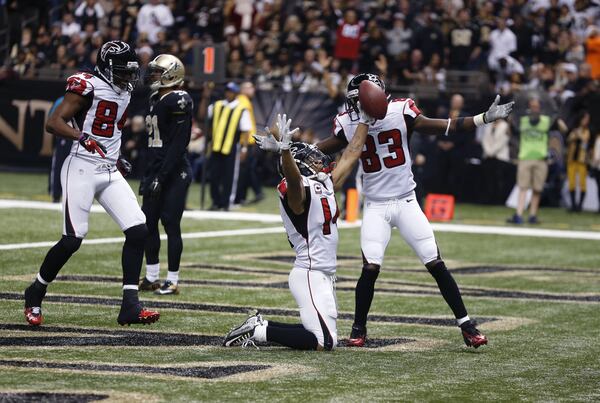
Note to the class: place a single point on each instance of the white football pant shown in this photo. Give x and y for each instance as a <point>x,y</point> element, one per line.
<point>314,292</point>
<point>82,181</point>
<point>403,213</point>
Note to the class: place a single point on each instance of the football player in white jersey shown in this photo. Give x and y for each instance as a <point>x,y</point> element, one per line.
<point>93,114</point>
<point>388,187</point>
<point>309,212</point>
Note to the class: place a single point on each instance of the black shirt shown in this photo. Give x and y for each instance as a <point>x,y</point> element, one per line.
<point>169,128</point>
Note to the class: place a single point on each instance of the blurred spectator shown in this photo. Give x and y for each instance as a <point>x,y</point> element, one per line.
<point>464,42</point>
<point>398,37</point>
<point>428,38</point>
<point>592,45</point>
<point>503,69</point>
<point>249,166</point>
<point>595,164</point>
<point>89,12</point>
<point>413,73</point>
<point>435,73</point>
<point>578,143</point>
<point>502,42</point>
<point>154,17</point>
<point>69,26</point>
<point>496,162</point>
<point>120,19</point>
<point>347,43</point>
<point>532,169</point>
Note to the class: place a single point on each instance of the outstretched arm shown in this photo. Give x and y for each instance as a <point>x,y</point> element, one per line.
<point>295,188</point>
<point>426,125</point>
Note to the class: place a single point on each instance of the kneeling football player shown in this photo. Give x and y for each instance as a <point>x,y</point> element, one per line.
<point>309,211</point>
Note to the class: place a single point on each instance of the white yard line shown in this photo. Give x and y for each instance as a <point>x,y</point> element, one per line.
<point>275,218</point>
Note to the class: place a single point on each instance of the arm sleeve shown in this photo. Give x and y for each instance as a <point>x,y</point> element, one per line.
<point>410,112</point>
<point>80,85</point>
<point>338,130</point>
<point>181,128</point>
<point>245,121</point>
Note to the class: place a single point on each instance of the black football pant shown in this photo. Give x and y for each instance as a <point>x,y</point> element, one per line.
<point>222,178</point>
<point>168,208</point>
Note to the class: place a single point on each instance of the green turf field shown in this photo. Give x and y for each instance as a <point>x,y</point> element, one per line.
<point>537,299</point>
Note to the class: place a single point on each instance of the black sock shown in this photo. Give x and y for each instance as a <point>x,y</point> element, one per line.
<point>365,288</point>
<point>448,288</point>
<point>133,253</point>
<point>34,294</point>
<point>152,247</point>
<point>282,325</point>
<point>174,245</point>
<point>297,338</point>
<point>130,298</point>
<point>581,197</point>
<point>57,256</point>
<point>573,204</point>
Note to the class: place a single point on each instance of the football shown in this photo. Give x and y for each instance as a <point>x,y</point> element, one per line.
<point>372,99</point>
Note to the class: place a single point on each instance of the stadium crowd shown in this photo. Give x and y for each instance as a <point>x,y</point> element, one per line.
<point>550,48</point>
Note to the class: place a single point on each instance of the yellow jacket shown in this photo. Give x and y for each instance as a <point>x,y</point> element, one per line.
<point>245,101</point>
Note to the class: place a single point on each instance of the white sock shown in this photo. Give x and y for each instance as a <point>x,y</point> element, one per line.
<point>462,320</point>
<point>41,280</point>
<point>130,287</point>
<point>152,271</point>
<point>173,277</point>
<point>260,332</point>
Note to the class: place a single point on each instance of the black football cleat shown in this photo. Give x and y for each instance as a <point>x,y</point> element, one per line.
<point>473,337</point>
<point>147,285</point>
<point>33,305</point>
<point>358,336</point>
<point>133,315</point>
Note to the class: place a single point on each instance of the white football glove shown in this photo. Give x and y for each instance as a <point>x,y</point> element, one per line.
<point>363,117</point>
<point>496,111</point>
<point>268,142</point>
<point>285,134</point>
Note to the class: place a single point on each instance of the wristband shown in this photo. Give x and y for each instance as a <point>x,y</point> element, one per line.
<point>479,120</point>
<point>447,127</point>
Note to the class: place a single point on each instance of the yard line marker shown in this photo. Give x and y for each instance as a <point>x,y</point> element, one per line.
<point>275,218</point>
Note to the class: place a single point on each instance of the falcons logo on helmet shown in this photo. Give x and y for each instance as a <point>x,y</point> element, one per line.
<point>113,47</point>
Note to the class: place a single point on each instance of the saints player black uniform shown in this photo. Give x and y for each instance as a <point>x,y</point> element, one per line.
<point>167,178</point>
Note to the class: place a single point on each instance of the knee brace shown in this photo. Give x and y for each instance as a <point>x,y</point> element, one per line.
<point>70,244</point>
<point>136,235</point>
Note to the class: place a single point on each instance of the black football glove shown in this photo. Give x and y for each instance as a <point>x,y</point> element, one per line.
<point>124,166</point>
<point>92,145</point>
<point>155,188</point>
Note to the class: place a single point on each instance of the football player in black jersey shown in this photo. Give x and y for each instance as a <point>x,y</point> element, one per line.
<point>168,174</point>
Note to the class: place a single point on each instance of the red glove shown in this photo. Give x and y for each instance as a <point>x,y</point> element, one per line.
<point>92,145</point>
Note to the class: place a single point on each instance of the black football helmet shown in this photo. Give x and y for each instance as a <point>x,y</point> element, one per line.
<point>309,159</point>
<point>118,64</point>
<point>352,91</point>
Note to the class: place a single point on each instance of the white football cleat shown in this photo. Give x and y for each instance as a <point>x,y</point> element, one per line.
<point>243,334</point>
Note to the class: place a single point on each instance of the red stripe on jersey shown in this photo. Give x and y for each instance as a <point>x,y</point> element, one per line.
<point>282,188</point>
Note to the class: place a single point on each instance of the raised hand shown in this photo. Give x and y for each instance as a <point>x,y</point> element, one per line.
<point>496,111</point>
<point>364,116</point>
<point>285,134</point>
<point>267,142</point>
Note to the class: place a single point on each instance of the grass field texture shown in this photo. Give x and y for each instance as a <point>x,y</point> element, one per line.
<point>537,299</point>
